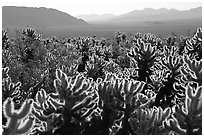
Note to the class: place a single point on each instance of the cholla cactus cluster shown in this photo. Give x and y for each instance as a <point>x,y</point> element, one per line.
<point>137,84</point>
<point>19,121</point>
<point>187,119</point>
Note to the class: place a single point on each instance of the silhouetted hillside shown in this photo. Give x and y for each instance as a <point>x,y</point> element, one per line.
<point>37,17</point>
<point>159,15</point>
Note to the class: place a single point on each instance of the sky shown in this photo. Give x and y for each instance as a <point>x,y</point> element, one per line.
<point>116,7</point>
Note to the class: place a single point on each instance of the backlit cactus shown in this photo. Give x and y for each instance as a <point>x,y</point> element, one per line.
<point>47,110</point>
<point>9,88</point>
<point>193,70</point>
<point>149,121</point>
<point>15,126</point>
<point>77,93</point>
<point>187,119</point>
<point>194,48</point>
<point>120,95</point>
<point>171,87</point>
<point>144,55</point>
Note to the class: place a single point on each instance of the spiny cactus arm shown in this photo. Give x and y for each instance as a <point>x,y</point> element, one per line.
<point>25,109</point>
<point>14,116</point>
<point>195,67</point>
<point>8,108</point>
<point>173,125</point>
<point>84,88</point>
<point>26,127</point>
<point>194,100</point>
<point>180,116</point>
<point>190,119</point>
<point>77,83</point>
<point>159,115</point>
<point>162,115</point>
<point>54,95</point>
<point>6,84</point>
<point>89,111</point>
<point>152,117</point>
<point>173,63</point>
<point>82,104</point>
<point>166,113</point>
<point>64,80</point>
<point>41,96</point>
<point>133,86</point>
<point>57,85</point>
<point>10,88</point>
<point>126,88</point>
<point>5,72</point>
<point>170,64</point>
<point>11,126</point>
<point>37,106</point>
<point>199,107</point>
<point>117,88</point>
<point>56,104</point>
<point>193,64</point>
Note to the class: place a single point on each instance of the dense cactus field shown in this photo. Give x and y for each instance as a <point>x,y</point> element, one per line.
<point>132,85</point>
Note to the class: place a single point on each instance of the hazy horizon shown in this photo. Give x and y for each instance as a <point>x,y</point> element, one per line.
<point>53,22</point>
<point>101,7</point>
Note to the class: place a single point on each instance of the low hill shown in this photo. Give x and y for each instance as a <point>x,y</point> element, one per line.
<point>37,17</point>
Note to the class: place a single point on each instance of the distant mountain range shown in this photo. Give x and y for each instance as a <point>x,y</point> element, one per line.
<point>45,17</point>
<point>37,17</point>
<point>148,15</point>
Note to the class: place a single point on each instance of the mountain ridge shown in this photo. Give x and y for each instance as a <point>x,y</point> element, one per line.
<point>13,16</point>
<point>150,14</point>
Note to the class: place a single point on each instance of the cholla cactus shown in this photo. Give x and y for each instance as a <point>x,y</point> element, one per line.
<point>194,48</point>
<point>150,38</point>
<point>194,71</point>
<point>31,34</point>
<point>5,72</point>
<point>78,94</point>
<point>9,88</point>
<point>123,92</point>
<point>120,95</point>
<point>70,71</point>
<point>149,121</point>
<point>145,55</point>
<point>95,68</point>
<point>15,117</point>
<point>188,119</point>
<point>47,110</point>
<point>171,87</point>
<point>182,45</point>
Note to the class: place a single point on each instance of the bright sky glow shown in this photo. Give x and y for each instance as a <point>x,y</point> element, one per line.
<point>117,7</point>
